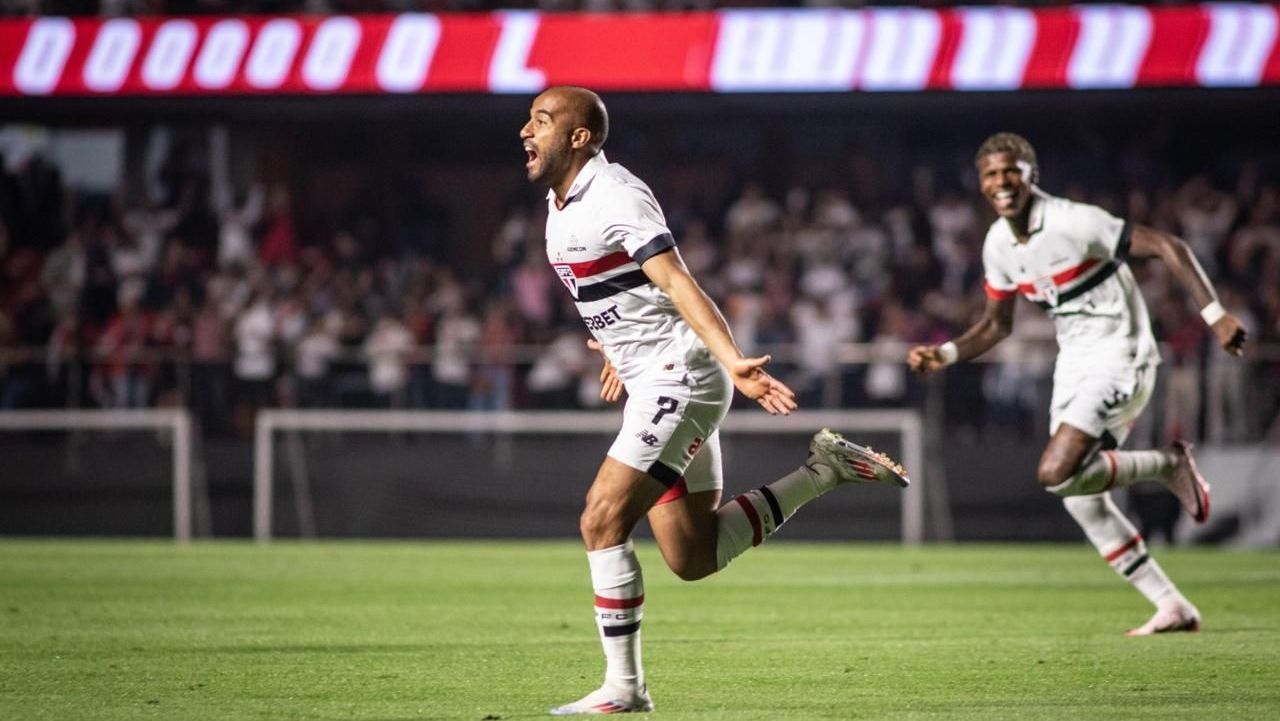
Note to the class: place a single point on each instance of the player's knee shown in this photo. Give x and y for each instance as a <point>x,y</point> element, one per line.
<point>1053,472</point>
<point>602,525</point>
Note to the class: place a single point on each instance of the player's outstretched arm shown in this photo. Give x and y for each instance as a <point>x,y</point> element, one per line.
<point>668,271</point>
<point>1146,242</point>
<point>995,325</point>
<point>610,384</point>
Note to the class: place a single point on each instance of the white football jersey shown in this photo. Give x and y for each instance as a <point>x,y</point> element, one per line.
<point>1073,266</point>
<point>609,226</point>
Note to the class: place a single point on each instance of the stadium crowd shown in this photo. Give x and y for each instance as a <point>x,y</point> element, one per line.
<point>197,293</point>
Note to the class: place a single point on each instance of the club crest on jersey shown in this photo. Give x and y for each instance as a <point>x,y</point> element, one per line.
<point>1047,290</point>
<point>565,271</point>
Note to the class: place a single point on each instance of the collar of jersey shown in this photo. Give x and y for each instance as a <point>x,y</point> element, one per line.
<point>583,179</point>
<point>1035,223</point>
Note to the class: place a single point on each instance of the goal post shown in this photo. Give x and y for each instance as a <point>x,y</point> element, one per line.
<point>906,423</point>
<point>175,420</point>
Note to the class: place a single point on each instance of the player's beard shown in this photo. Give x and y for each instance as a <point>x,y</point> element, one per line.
<point>552,163</point>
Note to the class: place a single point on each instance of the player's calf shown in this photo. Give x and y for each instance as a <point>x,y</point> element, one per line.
<point>1105,470</point>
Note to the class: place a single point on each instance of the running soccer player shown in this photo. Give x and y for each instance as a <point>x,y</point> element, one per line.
<point>1069,258</point>
<point>668,343</point>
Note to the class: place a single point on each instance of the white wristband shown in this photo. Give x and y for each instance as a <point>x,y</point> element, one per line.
<point>948,352</point>
<point>1212,313</point>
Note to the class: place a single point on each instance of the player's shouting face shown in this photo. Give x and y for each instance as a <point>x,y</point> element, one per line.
<point>1005,182</point>
<point>548,138</point>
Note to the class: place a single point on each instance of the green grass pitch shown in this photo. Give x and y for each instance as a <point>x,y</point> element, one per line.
<point>503,630</point>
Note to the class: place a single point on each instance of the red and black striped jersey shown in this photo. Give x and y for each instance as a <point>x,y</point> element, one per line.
<point>1073,266</point>
<point>609,225</point>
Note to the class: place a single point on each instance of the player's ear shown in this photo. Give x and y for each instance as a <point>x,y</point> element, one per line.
<point>1030,172</point>
<point>581,138</point>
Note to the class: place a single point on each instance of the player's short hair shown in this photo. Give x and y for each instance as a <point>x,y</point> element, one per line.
<point>595,118</point>
<point>1012,143</point>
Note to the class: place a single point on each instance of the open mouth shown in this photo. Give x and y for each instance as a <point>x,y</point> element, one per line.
<point>531,156</point>
<point>1004,199</point>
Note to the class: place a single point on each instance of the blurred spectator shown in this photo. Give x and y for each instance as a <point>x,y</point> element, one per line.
<point>64,273</point>
<point>255,362</point>
<point>752,212</point>
<point>886,380</point>
<point>554,378</point>
<point>210,373</point>
<point>531,285</point>
<point>235,233</point>
<point>492,384</point>
<point>279,241</point>
<point>1206,214</point>
<point>1227,383</point>
<point>457,334</point>
<point>387,348</point>
<point>124,378</point>
<point>1183,334</point>
<point>818,337</point>
<point>311,359</point>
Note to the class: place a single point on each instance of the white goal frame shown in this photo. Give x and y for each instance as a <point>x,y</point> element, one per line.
<point>907,423</point>
<point>175,420</point>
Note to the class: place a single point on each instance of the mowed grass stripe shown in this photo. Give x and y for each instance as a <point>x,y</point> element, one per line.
<point>469,630</point>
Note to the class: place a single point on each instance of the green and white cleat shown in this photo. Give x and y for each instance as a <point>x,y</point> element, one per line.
<point>852,463</point>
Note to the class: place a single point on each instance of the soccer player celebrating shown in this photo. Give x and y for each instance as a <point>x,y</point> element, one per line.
<point>1069,258</point>
<point>668,343</point>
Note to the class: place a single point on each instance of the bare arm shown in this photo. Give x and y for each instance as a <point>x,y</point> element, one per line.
<point>1148,242</point>
<point>667,270</point>
<point>994,326</point>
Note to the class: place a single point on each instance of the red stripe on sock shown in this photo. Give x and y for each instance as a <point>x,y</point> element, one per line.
<point>757,533</point>
<point>1111,461</point>
<point>602,602</point>
<point>674,493</point>
<point>1124,549</point>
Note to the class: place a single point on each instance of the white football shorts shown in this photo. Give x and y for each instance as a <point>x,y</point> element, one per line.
<point>1101,400</point>
<point>670,425</point>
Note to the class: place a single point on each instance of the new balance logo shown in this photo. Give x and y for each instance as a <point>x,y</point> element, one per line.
<point>647,438</point>
<point>862,469</point>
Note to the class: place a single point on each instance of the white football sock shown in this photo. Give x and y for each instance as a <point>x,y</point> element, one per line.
<point>748,519</point>
<point>1120,545</point>
<point>1117,469</point>
<point>619,605</point>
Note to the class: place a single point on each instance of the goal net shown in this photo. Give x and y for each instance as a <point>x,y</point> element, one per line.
<point>96,472</point>
<point>521,474</point>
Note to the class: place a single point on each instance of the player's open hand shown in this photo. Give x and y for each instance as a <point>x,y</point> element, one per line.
<point>610,384</point>
<point>925,359</point>
<point>753,382</point>
<point>1231,334</point>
